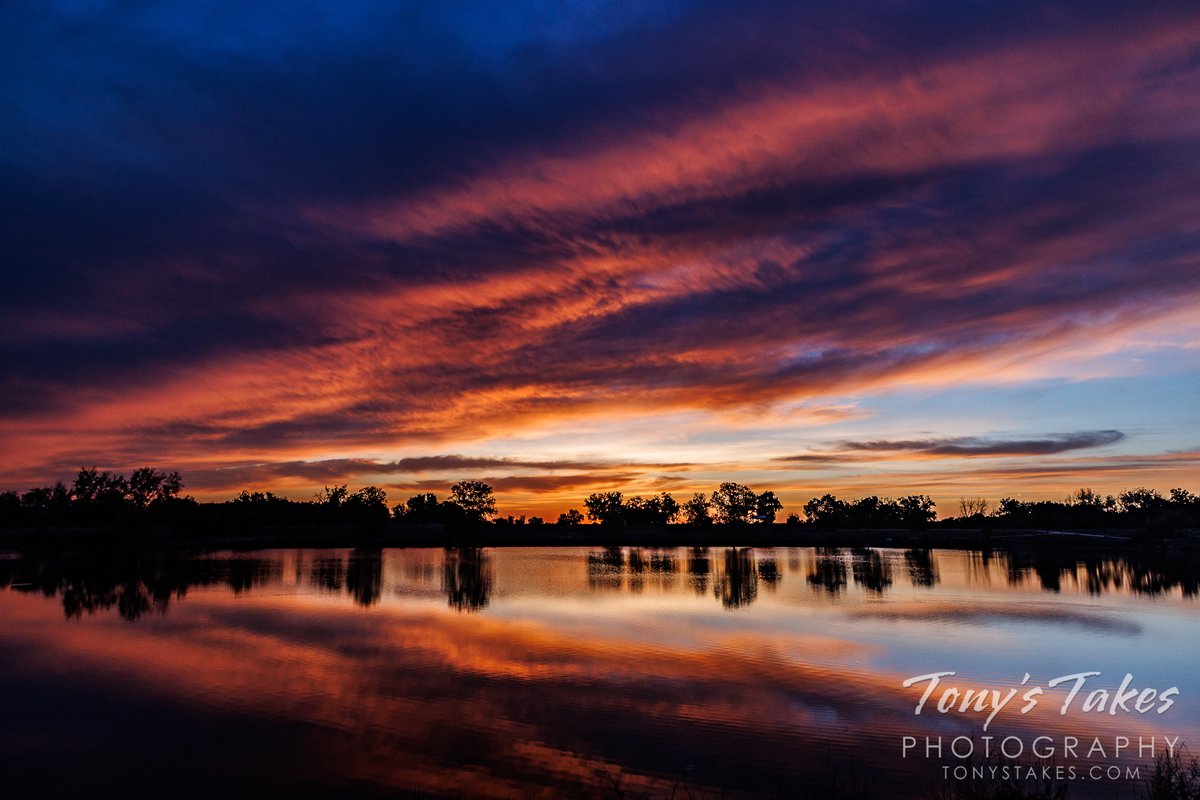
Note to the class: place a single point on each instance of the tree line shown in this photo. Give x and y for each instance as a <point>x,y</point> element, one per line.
<point>152,497</point>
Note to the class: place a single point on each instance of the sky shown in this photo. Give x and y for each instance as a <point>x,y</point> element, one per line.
<point>860,248</point>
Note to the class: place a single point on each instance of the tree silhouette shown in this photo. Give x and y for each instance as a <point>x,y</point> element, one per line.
<point>571,517</point>
<point>367,507</point>
<point>147,486</point>
<point>766,507</point>
<point>417,509</point>
<point>826,511</point>
<point>734,503</point>
<point>332,497</point>
<point>917,511</point>
<point>605,508</point>
<point>474,498</point>
<point>695,511</point>
<point>660,510</point>
<point>149,501</point>
<point>973,506</point>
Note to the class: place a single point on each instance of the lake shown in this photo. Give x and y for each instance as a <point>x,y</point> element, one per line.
<point>585,672</point>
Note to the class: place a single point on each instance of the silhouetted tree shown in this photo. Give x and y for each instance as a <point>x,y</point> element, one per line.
<point>256,498</point>
<point>660,510</point>
<point>766,507</point>
<point>1013,512</point>
<point>367,507</point>
<point>826,511</point>
<point>46,505</point>
<point>332,497</point>
<point>917,511</point>
<point>571,517</point>
<point>695,511</point>
<point>1184,498</point>
<point>1090,499</point>
<point>99,488</point>
<point>605,508</point>
<point>914,511</point>
<point>147,486</point>
<point>972,506</point>
<point>1141,500</point>
<point>420,508</point>
<point>151,498</point>
<point>475,499</point>
<point>1174,777</point>
<point>734,503</point>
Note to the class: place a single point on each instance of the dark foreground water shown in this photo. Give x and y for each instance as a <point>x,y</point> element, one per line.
<point>580,672</point>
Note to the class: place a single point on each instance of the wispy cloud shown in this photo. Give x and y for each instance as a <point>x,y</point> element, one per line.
<point>984,446</point>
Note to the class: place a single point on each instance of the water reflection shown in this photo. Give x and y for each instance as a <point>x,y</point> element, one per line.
<point>134,583</point>
<point>698,569</point>
<point>828,571</point>
<point>870,570</point>
<point>737,579</point>
<point>467,578</point>
<point>364,576</point>
<point>603,672</point>
<point>921,569</point>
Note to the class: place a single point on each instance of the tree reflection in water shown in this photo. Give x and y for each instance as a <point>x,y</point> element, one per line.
<point>136,582</point>
<point>769,573</point>
<point>329,574</point>
<point>870,570</point>
<point>698,569</point>
<point>605,568</point>
<point>737,582</point>
<point>1151,573</point>
<point>921,569</point>
<point>364,575</point>
<point>828,571</point>
<point>467,578</point>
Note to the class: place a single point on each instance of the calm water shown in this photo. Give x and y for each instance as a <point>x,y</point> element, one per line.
<point>568,672</point>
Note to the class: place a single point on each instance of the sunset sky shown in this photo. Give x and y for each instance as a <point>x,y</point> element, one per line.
<point>867,248</point>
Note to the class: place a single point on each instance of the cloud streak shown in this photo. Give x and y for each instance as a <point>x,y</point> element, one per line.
<point>983,446</point>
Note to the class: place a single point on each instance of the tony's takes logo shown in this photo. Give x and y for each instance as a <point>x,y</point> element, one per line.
<point>1125,699</point>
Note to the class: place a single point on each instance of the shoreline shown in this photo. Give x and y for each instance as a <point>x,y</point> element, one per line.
<point>424,536</point>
